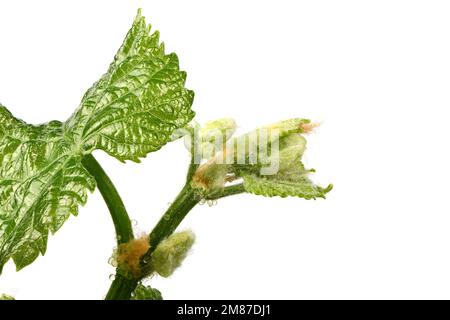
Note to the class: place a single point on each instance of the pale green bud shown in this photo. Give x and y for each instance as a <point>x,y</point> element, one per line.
<point>295,125</point>
<point>253,146</point>
<point>292,148</point>
<point>171,252</point>
<point>281,155</point>
<point>210,177</point>
<point>215,134</point>
<point>225,126</point>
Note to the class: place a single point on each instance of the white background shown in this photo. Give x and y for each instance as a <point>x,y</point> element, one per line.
<point>376,74</point>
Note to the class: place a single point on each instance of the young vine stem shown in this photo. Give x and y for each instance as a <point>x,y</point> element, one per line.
<point>119,214</point>
<point>122,224</point>
<point>122,287</point>
<point>185,201</point>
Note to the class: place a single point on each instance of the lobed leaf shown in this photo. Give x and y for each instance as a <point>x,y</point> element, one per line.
<point>131,111</point>
<point>136,106</point>
<point>42,182</point>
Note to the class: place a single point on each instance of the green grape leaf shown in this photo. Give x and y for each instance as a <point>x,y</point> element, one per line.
<point>271,186</point>
<point>131,111</point>
<point>146,293</point>
<point>42,182</point>
<point>136,106</point>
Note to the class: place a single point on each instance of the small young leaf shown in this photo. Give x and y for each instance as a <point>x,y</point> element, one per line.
<point>146,293</point>
<point>131,111</point>
<point>271,186</point>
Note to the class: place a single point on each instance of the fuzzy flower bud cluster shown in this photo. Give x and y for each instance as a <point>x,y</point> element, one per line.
<point>267,160</point>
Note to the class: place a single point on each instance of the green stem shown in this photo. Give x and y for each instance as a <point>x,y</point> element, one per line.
<point>121,286</point>
<point>228,191</point>
<point>119,215</point>
<point>183,203</point>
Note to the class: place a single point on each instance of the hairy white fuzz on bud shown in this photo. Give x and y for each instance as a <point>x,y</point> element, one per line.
<point>171,252</point>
